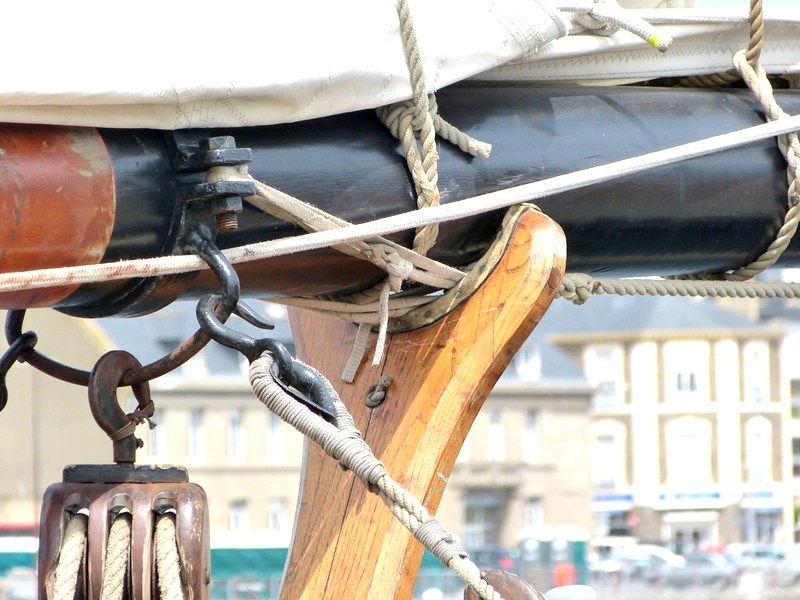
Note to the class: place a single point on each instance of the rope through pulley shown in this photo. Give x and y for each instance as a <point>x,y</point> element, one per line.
<point>106,528</point>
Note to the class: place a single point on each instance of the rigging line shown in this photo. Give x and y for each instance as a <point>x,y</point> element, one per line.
<point>434,214</point>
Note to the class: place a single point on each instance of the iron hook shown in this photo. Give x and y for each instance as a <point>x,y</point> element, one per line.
<point>103,383</point>
<point>297,379</point>
<point>18,347</point>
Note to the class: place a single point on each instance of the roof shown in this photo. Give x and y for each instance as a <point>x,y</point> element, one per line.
<point>614,314</point>
<point>152,336</point>
<point>609,316</point>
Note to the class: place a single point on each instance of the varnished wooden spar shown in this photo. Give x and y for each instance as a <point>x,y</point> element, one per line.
<point>346,543</point>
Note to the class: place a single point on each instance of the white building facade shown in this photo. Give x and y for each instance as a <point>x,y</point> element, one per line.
<point>688,435</point>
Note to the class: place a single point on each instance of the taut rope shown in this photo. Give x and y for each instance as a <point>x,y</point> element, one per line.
<point>344,443</point>
<point>64,578</point>
<point>168,561</point>
<point>118,550</point>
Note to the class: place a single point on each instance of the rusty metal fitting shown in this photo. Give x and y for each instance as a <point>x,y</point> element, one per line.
<point>103,384</point>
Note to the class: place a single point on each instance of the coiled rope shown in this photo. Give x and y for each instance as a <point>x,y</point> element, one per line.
<point>344,443</point>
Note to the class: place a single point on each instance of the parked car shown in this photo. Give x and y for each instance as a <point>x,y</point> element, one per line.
<point>779,566</point>
<point>20,584</point>
<point>641,562</point>
<point>703,569</point>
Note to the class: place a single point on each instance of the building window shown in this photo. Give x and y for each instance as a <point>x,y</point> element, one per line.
<point>605,461</point>
<point>276,515</point>
<point>604,370</point>
<point>686,370</point>
<point>496,437</point>
<point>796,457</point>
<point>794,389</point>
<point>689,451</point>
<point>758,450</point>
<point>237,516</point>
<point>275,454</point>
<point>533,512</point>
<point>530,439</point>
<point>687,382</point>
<point>235,435</point>
<point>756,372</point>
<point>158,435</point>
<point>197,440</point>
<point>528,363</point>
<point>482,519</point>
<point>686,451</point>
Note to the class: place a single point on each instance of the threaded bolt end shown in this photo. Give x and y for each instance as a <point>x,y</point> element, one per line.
<point>227,222</point>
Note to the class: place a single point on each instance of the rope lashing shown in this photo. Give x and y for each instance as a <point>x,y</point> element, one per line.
<point>168,560</point>
<point>389,256</point>
<point>754,45</point>
<point>579,287</point>
<point>606,17</point>
<point>756,79</point>
<point>65,573</point>
<point>118,550</point>
<point>137,417</point>
<point>344,443</point>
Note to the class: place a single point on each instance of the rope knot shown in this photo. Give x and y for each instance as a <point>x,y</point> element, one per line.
<point>597,19</point>
<point>137,417</point>
<point>577,288</point>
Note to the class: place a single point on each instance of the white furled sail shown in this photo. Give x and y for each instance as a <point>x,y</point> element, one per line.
<point>703,42</point>
<point>175,64</point>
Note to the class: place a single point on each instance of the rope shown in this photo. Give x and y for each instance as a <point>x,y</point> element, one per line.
<point>115,566</point>
<point>606,17</point>
<point>168,265</point>
<point>168,562</point>
<point>418,121</point>
<point>755,42</point>
<point>393,258</point>
<point>747,66</point>
<point>377,393</point>
<point>344,443</point>
<point>137,417</point>
<point>65,573</point>
<point>579,287</point>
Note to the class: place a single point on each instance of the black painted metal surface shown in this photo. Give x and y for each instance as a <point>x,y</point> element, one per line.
<point>710,213</point>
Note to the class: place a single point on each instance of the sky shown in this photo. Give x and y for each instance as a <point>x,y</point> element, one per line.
<point>767,3</point>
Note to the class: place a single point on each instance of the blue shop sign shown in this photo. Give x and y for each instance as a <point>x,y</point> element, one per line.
<point>690,496</point>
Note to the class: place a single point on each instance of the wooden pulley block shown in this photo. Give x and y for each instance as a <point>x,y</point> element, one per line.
<point>123,531</point>
<point>93,553</point>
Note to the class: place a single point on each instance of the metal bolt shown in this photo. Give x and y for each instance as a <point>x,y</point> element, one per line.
<point>219,142</point>
<point>227,222</point>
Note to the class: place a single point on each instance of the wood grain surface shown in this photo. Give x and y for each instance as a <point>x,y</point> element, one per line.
<point>346,543</point>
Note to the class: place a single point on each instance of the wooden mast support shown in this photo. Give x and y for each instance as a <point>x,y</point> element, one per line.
<point>346,543</point>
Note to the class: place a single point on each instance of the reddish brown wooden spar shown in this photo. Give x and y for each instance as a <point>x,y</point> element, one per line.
<point>346,543</point>
<point>57,202</point>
